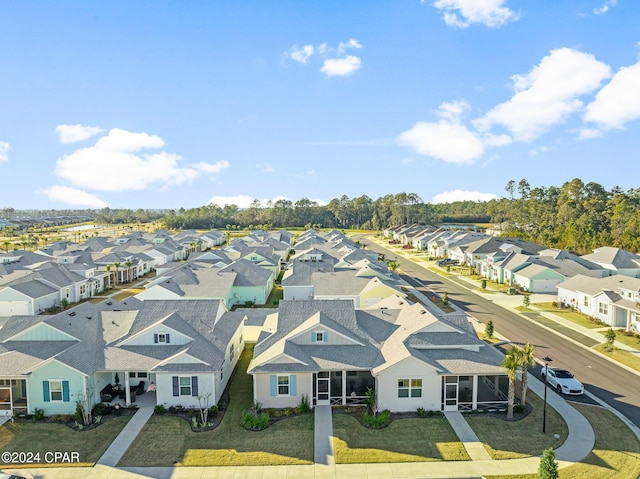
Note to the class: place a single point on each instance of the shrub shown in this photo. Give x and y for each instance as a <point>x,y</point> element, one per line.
<point>98,409</point>
<point>305,406</point>
<point>159,410</point>
<point>213,410</point>
<point>78,415</point>
<point>488,329</point>
<point>421,412</point>
<point>255,422</point>
<point>38,414</point>
<point>518,408</point>
<point>548,466</point>
<point>97,419</point>
<point>377,421</point>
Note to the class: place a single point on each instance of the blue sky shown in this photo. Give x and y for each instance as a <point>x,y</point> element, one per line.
<point>178,104</point>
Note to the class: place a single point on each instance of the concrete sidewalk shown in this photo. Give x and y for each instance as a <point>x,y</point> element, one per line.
<point>121,443</point>
<point>323,436</point>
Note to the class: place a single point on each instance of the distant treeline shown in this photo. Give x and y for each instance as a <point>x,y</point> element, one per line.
<point>575,216</point>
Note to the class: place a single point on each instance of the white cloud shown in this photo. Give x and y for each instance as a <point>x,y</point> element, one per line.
<point>301,54</point>
<point>605,7</point>
<point>344,46</point>
<point>73,197</point>
<point>126,141</point>
<point>618,102</point>
<point>341,66</point>
<point>460,195</point>
<point>4,150</point>
<point>76,133</point>
<point>462,13</point>
<point>449,142</point>
<point>446,140</point>
<point>115,163</point>
<point>211,168</point>
<point>547,95</point>
<point>589,133</point>
<point>334,60</point>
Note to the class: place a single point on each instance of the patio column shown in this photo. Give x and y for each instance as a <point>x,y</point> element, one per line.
<point>127,392</point>
<point>344,388</point>
<point>474,403</point>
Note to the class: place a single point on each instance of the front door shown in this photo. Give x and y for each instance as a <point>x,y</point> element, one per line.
<point>451,393</point>
<point>322,389</point>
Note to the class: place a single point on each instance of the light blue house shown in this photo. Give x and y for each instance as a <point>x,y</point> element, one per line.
<point>98,352</point>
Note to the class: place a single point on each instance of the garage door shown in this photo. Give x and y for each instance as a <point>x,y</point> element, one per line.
<point>11,308</point>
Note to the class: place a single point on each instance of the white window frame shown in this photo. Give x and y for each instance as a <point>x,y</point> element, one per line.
<point>283,385</point>
<point>319,336</point>
<point>162,338</point>
<point>603,308</point>
<point>413,388</point>
<point>180,385</point>
<point>51,390</point>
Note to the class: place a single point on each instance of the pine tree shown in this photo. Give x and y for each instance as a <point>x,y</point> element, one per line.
<point>488,329</point>
<point>548,466</point>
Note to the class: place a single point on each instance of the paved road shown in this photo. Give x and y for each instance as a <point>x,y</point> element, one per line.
<point>606,380</point>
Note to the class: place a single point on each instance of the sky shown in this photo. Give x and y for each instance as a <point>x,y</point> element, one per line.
<point>180,104</point>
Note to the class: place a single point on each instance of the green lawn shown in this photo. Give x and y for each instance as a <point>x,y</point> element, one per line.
<point>519,438</point>
<point>633,341</point>
<point>169,441</point>
<point>404,440</point>
<point>567,314</point>
<point>616,454</point>
<point>624,357</point>
<point>43,437</point>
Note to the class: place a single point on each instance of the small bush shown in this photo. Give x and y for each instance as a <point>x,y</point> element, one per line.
<point>159,410</point>
<point>213,410</point>
<point>97,419</point>
<point>98,409</point>
<point>78,414</point>
<point>255,422</point>
<point>421,412</point>
<point>518,408</point>
<point>38,414</point>
<point>377,421</point>
<point>305,405</point>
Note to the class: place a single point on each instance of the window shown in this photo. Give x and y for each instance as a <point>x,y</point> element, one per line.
<point>586,301</point>
<point>603,308</point>
<point>283,385</point>
<point>83,288</point>
<point>161,338</point>
<point>409,388</point>
<point>319,337</point>
<point>185,386</point>
<point>55,388</point>
<point>66,293</point>
<point>231,353</point>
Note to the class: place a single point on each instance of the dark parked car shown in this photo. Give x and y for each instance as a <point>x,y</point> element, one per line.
<point>447,262</point>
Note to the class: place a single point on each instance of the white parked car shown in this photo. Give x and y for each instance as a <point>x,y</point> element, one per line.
<point>562,381</point>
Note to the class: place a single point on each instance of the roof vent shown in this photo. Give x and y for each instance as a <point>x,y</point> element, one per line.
<point>109,303</point>
<point>422,311</point>
<point>72,313</point>
<point>88,317</point>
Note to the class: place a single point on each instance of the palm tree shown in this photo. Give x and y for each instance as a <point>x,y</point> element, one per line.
<point>108,268</point>
<point>511,363</point>
<point>526,359</point>
<point>6,244</point>
<point>116,265</point>
<point>128,265</point>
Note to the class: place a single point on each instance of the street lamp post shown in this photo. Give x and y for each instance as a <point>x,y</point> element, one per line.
<point>546,360</point>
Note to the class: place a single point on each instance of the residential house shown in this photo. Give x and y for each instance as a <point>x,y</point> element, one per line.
<point>616,260</point>
<point>613,299</point>
<point>333,353</point>
<point>187,349</point>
